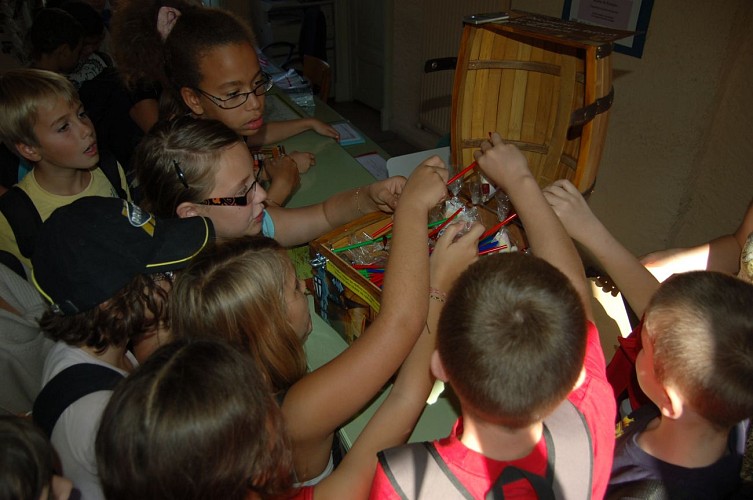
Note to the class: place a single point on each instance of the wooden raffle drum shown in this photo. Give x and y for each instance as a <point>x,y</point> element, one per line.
<point>544,84</point>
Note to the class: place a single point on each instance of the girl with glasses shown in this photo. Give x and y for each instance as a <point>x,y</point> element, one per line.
<point>188,167</point>
<point>214,72</point>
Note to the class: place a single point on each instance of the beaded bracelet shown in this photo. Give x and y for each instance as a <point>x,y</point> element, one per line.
<point>438,295</point>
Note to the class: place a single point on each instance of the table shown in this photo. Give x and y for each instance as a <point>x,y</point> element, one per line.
<point>336,170</point>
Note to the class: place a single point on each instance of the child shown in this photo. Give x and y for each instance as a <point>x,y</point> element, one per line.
<point>212,430</point>
<point>27,463</point>
<point>44,123</point>
<point>211,62</point>
<point>517,343</point>
<point>105,267</point>
<point>190,166</point>
<point>246,291</point>
<point>695,367</point>
<point>139,28</point>
<point>56,40</point>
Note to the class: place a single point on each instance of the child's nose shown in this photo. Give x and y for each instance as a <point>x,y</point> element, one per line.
<point>253,102</point>
<point>259,195</point>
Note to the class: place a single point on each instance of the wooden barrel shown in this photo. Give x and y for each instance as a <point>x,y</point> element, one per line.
<point>544,84</point>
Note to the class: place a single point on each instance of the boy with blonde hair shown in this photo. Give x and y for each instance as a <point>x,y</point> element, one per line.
<point>43,122</point>
<point>517,343</point>
<point>695,366</point>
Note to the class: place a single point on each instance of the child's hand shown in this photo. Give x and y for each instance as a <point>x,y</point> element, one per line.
<point>451,257</point>
<point>382,195</point>
<point>324,129</point>
<point>502,163</point>
<point>571,208</point>
<point>283,172</point>
<point>427,185</point>
<point>303,160</point>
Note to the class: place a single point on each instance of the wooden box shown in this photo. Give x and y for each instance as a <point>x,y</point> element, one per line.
<point>544,84</point>
<point>346,299</point>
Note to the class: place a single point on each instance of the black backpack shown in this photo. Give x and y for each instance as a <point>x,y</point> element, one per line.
<point>417,471</point>
<point>22,214</point>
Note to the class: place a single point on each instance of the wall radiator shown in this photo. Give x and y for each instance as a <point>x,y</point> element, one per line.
<point>442,31</point>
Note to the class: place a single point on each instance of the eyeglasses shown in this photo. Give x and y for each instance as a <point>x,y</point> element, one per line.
<point>235,201</point>
<point>240,98</point>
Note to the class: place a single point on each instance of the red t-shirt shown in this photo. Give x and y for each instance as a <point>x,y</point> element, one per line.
<point>593,398</point>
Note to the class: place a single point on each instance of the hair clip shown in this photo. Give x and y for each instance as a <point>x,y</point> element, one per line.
<point>181,175</point>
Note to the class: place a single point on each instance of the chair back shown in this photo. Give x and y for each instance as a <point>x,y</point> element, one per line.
<point>319,73</point>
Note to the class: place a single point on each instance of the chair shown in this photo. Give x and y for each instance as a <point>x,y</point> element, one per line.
<point>319,73</point>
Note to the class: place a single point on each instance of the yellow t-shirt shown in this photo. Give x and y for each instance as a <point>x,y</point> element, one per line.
<point>47,202</point>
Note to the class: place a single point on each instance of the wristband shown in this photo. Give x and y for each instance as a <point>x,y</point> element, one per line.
<point>437,295</point>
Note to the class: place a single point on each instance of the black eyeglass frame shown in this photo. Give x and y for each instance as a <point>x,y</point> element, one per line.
<point>265,86</point>
<point>235,201</point>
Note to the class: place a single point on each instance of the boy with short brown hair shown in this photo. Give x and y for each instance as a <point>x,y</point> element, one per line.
<point>517,343</point>
<point>695,366</point>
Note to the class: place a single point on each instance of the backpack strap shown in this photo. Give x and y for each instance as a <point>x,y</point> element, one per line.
<point>416,471</point>
<point>67,387</point>
<point>110,167</point>
<point>569,452</point>
<point>23,218</point>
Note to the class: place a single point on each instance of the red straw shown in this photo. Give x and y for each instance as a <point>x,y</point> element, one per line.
<point>491,250</point>
<point>442,225</point>
<point>498,226</point>
<point>381,230</point>
<point>461,173</point>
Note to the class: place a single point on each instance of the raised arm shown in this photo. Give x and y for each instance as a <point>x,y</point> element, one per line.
<point>274,132</point>
<point>506,166</point>
<point>324,399</point>
<point>634,281</point>
<point>395,419</point>
<point>296,226</point>
<point>720,254</point>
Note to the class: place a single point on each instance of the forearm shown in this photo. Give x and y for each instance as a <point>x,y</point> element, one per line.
<point>274,132</point>
<point>546,236</point>
<point>636,283</point>
<point>295,226</point>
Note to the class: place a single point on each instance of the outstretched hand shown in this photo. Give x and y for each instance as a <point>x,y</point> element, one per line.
<point>324,129</point>
<point>571,208</point>
<point>453,256</point>
<point>427,185</point>
<point>502,163</point>
<point>383,195</point>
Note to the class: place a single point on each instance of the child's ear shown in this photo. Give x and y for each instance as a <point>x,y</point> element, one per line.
<point>192,100</point>
<point>166,19</point>
<point>437,368</point>
<point>671,403</point>
<point>186,210</point>
<point>581,378</point>
<point>29,152</point>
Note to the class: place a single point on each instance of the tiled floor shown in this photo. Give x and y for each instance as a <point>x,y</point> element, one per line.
<point>367,120</point>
